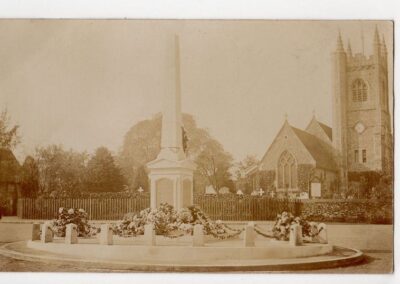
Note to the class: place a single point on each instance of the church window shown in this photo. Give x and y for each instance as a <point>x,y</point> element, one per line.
<point>364,156</point>
<point>293,175</point>
<point>359,89</point>
<point>280,175</point>
<point>287,171</point>
<point>355,156</point>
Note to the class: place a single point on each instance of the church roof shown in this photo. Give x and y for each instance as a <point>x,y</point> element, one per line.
<point>251,169</point>
<point>327,129</point>
<point>321,151</point>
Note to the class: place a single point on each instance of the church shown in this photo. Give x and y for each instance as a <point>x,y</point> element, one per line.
<point>317,161</point>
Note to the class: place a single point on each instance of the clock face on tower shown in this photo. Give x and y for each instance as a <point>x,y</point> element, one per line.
<point>359,127</point>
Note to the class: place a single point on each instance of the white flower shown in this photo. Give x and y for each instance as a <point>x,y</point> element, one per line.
<point>71,211</point>
<point>81,210</point>
<point>60,210</point>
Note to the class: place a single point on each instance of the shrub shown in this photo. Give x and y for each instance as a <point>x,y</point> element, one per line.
<point>281,228</point>
<point>375,211</point>
<point>73,216</point>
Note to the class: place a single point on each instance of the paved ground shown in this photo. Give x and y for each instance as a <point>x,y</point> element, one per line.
<point>376,262</point>
<point>380,261</point>
<point>375,241</point>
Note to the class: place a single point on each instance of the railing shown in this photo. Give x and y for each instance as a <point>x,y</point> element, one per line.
<point>245,209</point>
<point>224,208</point>
<point>97,208</point>
<point>231,209</point>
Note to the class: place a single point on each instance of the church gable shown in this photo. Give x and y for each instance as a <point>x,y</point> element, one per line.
<point>286,140</point>
<point>320,130</point>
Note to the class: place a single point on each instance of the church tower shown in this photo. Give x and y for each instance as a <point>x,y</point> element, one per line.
<point>361,130</point>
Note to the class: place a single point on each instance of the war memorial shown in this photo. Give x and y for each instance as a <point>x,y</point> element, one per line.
<point>192,241</point>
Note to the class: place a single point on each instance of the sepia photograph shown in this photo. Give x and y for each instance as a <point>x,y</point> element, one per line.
<point>204,146</point>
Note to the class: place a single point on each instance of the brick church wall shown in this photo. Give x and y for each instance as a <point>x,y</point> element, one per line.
<point>328,181</point>
<point>267,180</point>
<point>304,172</point>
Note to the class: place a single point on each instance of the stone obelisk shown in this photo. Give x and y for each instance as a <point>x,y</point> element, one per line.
<point>171,173</point>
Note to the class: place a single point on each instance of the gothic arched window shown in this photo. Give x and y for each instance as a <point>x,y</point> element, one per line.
<point>360,90</point>
<point>287,171</point>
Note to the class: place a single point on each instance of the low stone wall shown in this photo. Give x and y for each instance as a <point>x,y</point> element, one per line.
<point>354,211</point>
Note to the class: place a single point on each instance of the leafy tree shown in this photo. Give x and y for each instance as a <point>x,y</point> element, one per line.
<point>384,188</point>
<point>213,164</point>
<point>142,144</point>
<point>30,178</point>
<point>61,173</point>
<point>102,173</point>
<point>9,137</point>
<point>245,183</point>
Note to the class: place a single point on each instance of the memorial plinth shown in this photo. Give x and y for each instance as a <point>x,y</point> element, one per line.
<point>171,173</point>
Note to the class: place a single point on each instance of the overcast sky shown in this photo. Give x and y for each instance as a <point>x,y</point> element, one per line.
<point>85,83</point>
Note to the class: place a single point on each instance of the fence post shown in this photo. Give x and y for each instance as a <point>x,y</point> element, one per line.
<point>90,206</point>
<point>19,207</point>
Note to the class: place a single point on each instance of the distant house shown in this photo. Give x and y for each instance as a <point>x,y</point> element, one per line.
<point>10,171</point>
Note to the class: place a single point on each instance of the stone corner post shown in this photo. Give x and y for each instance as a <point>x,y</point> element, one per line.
<point>249,235</point>
<point>296,235</point>
<point>149,235</point>
<point>198,235</point>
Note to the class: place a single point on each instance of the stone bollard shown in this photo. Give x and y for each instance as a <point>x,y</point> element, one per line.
<point>106,235</point>
<point>149,235</point>
<point>71,234</point>
<point>35,232</point>
<point>295,235</point>
<point>47,234</point>
<point>323,234</point>
<point>249,235</point>
<point>198,236</point>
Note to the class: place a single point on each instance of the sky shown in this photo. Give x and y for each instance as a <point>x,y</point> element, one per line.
<point>84,83</point>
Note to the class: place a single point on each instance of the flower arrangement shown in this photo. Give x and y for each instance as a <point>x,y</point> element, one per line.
<point>75,216</point>
<point>281,228</point>
<point>216,229</point>
<point>171,223</point>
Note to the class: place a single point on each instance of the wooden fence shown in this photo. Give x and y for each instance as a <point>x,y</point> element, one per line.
<point>246,209</point>
<point>97,208</point>
<point>231,209</point>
